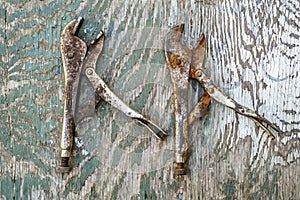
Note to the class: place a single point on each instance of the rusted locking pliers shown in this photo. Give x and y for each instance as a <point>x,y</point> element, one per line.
<point>75,57</point>
<point>183,63</point>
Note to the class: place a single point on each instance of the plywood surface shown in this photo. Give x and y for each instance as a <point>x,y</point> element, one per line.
<point>253,55</point>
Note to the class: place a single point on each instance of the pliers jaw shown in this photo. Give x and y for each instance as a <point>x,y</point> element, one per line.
<point>177,55</point>
<point>73,49</point>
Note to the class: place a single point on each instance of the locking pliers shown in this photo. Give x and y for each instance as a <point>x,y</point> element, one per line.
<point>184,63</point>
<point>77,57</point>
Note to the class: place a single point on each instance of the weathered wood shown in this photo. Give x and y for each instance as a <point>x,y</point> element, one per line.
<point>253,54</point>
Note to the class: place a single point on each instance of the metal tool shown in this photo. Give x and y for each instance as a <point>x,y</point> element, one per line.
<point>76,56</point>
<point>184,63</point>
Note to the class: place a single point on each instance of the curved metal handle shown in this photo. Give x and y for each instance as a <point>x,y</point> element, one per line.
<point>229,102</point>
<point>107,95</point>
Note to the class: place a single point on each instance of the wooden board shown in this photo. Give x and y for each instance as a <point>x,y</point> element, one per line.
<point>253,55</point>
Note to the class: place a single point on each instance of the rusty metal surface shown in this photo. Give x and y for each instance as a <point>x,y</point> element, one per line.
<point>78,57</point>
<point>73,51</point>
<point>184,63</point>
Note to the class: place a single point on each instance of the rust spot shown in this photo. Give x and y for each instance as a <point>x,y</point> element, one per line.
<point>206,99</point>
<point>175,61</point>
<point>179,169</point>
<point>192,72</point>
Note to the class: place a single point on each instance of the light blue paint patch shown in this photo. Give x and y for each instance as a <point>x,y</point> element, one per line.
<point>59,69</point>
<point>238,83</point>
<point>6,185</point>
<point>279,79</point>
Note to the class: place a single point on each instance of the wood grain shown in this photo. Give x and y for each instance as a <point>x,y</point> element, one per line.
<point>253,55</point>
